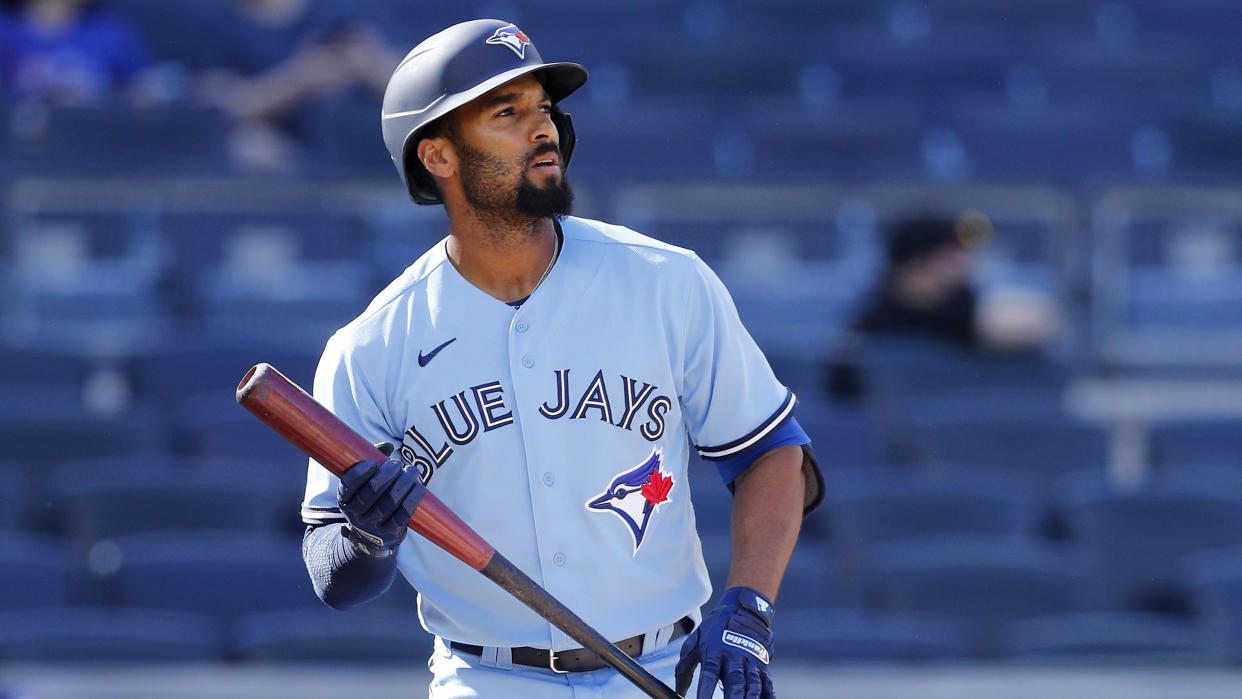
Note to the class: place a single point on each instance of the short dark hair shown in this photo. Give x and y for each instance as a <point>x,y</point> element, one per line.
<point>917,236</point>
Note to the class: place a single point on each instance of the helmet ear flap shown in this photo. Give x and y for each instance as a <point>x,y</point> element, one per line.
<point>565,132</point>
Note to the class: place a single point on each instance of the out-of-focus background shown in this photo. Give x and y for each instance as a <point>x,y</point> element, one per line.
<point>994,246</point>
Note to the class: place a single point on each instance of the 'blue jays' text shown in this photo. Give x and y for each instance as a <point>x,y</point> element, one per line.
<point>457,420</point>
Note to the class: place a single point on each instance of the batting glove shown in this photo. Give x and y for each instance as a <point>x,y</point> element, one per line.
<point>733,646</point>
<point>378,499</point>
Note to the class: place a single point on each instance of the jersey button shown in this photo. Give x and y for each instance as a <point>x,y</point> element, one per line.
<point>528,362</point>
<point>548,478</point>
<point>521,326</point>
<point>559,559</point>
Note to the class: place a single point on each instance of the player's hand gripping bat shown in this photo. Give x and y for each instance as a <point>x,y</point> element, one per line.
<point>294,414</point>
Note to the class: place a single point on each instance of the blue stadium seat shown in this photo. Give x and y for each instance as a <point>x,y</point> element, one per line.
<point>713,503</point>
<point>1213,580</point>
<point>107,635</point>
<point>1135,541</point>
<point>954,61</point>
<point>855,635</point>
<point>613,143</point>
<point>223,575</point>
<point>1125,638</point>
<point>866,507</point>
<point>986,581</point>
<point>42,366</point>
<point>107,498</point>
<point>842,437</point>
<point>908,364</point>
<point>16,497</point>
<point>859,138</point>
<point>56,428</point>
<point>39,571</point>
<point>811,579</point>
<point>174,371</point>
<point>71,141</point>
<point>1196,442</point>
<point>1125,72</point>
<point>368,635</point>
<point>1042,448</point>
<point>984,402</point>
<point>1020,17</point>
<point>212,425</point>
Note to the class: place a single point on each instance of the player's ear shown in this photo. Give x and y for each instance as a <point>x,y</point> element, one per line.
<point>438,156</point>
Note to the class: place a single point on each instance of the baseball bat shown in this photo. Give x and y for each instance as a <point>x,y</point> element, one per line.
<point>299,418</point>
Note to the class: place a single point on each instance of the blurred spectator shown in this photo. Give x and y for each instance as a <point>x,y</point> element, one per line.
<point>927,291</point>
<point>283,56</point>
<point>68,51</point>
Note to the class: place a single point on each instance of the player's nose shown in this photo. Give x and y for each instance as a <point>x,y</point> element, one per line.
<point>543,129</point>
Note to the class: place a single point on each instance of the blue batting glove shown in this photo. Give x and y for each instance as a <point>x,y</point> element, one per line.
<point>733,646</point>
<point>378,499</point>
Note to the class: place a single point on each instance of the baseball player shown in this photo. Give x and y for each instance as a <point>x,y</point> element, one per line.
<point>547,376</point>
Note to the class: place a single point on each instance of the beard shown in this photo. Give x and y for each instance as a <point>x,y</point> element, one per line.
<point>484,180</point>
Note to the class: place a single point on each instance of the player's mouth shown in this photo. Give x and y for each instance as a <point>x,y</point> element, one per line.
<point>546,163</point>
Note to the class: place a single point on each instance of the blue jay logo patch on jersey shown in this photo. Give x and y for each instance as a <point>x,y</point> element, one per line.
<point>512,37</point>
<point>634,495</point>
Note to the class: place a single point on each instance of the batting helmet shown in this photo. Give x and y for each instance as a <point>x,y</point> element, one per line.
<point>453,67</point>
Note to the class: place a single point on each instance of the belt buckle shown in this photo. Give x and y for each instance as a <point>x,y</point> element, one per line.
<point>552,664</point>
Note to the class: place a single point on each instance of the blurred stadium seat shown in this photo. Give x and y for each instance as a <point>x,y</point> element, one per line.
<point>47,366</point>
<point>15,496</point>
<point>866,507</point>
<point>39,571</point>
<point>854,635</point>
<point>1135,540</point>
<point>324,636</point>
<point>203,573</point>
<point>1121,638</point>
<point>1213,579</point>
<point>842,436</point>
<point>108,498</point>
<point>173,139</point>
<point>55,427</point>
<point>1196,442</point>
<point>107,635</point>
<point>1040,448</point>
<point>170,372</point>
<point>986,581</point>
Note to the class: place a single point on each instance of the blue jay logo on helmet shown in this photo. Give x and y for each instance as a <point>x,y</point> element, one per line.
<point>651,486</point>
<point>512,37</point>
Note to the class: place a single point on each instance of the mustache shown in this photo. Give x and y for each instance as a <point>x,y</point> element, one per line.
<point>542,148</point>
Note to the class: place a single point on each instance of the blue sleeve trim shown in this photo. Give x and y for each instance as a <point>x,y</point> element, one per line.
<point>789,432</point>
<point>756,436</point>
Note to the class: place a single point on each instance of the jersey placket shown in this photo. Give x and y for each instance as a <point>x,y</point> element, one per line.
<point>529,374</point>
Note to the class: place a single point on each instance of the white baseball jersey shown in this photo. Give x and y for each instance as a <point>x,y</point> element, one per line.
<point>560,431</point>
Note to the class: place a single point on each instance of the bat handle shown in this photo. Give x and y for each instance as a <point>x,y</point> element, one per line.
<point>500,571</point>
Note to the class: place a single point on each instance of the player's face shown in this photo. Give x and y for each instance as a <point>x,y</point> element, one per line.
<point>508,154</point>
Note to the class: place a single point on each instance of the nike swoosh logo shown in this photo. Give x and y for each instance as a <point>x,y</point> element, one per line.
<point>424,358</point>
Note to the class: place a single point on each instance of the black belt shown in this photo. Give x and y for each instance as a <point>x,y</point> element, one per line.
<point>577,659</point>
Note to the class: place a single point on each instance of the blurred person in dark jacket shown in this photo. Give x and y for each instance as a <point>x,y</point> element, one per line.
<point>283,57</point>
<point>68,51</point>
<point>927,291</point>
